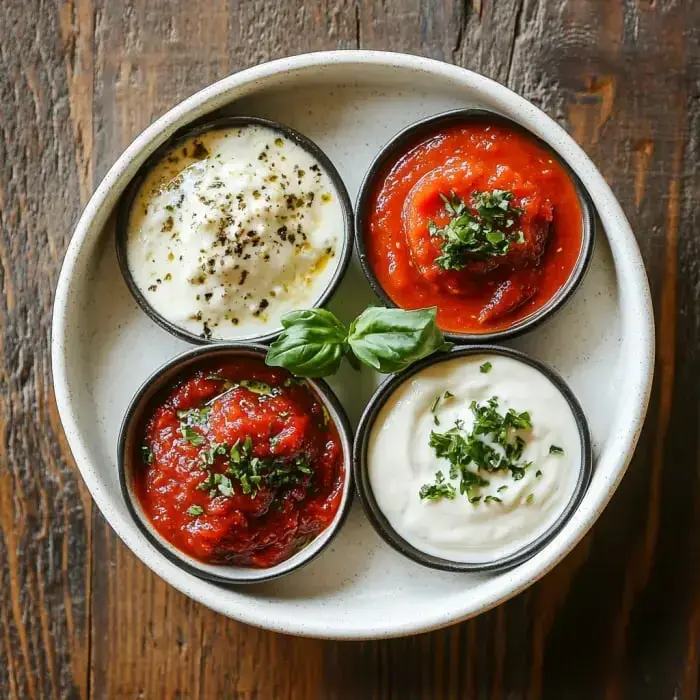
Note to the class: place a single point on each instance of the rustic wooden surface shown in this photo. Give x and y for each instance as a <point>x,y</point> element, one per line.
<point>80,617</point>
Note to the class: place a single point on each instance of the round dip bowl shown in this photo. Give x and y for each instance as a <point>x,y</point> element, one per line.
<point>126,452</point>
<point>379,520</point>
<point>400,144</point>
<point>124,208</point>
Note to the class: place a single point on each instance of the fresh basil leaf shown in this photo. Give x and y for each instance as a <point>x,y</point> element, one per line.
<point>312,344</point>
<point>389,340</point>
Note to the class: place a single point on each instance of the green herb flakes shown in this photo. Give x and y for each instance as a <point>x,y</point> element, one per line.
<point>260,388</point>
<point>483,230</point>
<point>437,490</point>
<point>485,368</point>
<point>470,454</point>
<point>194,511</point>
<point>556,450</point>
<point>191,435</point>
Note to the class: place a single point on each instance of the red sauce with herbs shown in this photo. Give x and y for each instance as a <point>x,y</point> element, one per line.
<point>488,293</point>
<point>247,478</point>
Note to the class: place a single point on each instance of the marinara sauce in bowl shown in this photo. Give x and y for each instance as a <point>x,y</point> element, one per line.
<point>470,212</point>
<point>237,471</point>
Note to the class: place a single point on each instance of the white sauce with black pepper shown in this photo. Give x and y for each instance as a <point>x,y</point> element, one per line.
<point>401,460</point>
<point>232,229</point>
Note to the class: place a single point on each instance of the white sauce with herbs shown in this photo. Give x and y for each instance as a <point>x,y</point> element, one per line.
<point>232,229</point>
<point>401,460</point>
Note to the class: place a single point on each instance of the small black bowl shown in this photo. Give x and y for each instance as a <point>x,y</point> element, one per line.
<point>127,455</point>
<point>379,520</point>
<point>227,122</point>
<point>404,140</point>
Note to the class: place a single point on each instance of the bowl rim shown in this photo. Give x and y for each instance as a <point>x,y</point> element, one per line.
<point>637,321</point>
<point>361,467</point>
<point>195,128</point>
<point>169,371</point>
<point>423,127</point>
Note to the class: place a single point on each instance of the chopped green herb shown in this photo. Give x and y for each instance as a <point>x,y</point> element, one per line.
<point>195,416</point>
<point>146,454</point>
<point>436,420</point>
<point>257,387</point>
<point>433,408</point>
<point>194,511</point>
<point>251,471</point>
<point>486,230</point>
<point>448,395</point>
<point>492,499</point>
<point>191,435</point>
<point>500,489</point>
<point>439,489</point>
<point>556,450</point>
<point>225,486</point>
<point>469,453</point>
<point>208,455</point>
<point>538,473</point>
<point>485,368</point>
<point>530,499</point>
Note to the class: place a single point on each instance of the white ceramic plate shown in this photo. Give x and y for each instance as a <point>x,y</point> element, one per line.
<point>350,103</point>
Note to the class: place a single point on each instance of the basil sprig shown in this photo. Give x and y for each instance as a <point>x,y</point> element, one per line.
<point>314,342</point>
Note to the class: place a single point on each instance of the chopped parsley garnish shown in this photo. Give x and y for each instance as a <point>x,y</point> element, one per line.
<point>556,450</point>
<point>492,499</point>
<point>485,230</point>
<point>195,416</point>
<point>146,454</point>
<point>470,454</point>
<point>530,499</point>
<point>194,511</point>
<point>257,387</point>
<point>538,473</point>
<point>485,368</point>
<point>249,471</point>
<point>447,395</point>
<point>439,489</point>
<point>208,455</point>
<point>191,435</point>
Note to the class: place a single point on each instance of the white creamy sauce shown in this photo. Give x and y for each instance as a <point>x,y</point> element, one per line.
<point>400,460</point>
<point>232,229</point>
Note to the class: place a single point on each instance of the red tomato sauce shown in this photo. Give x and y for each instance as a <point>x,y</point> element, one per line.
<point>247,478</point>
<point>488,294</point>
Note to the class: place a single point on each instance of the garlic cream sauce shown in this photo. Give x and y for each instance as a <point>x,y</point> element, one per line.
<point>509,513</point>
<point>232,229</point>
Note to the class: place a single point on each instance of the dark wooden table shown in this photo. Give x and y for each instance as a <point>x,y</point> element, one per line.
<point>81,617</point>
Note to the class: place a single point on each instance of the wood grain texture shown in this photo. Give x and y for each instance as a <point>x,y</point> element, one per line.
<point>81,617</point>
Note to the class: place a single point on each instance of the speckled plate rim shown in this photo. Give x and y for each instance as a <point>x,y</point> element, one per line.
<point>637,321</point>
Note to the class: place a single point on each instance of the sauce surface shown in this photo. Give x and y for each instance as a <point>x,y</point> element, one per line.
<point>233,228</point>
<point>502,510</point>
<point>490,292</point>
<point>247,478</point>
